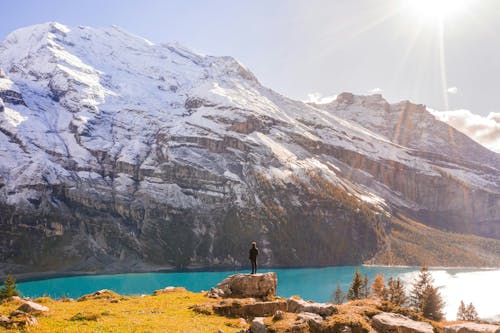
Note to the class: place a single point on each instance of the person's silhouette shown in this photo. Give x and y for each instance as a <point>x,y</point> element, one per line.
<point>253,253</point>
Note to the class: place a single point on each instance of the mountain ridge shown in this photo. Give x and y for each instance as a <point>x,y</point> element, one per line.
<point>117,150</point>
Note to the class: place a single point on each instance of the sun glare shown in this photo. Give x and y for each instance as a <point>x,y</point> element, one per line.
<point>438,9</point>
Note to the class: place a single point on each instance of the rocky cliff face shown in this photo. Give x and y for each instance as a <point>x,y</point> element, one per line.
<point>120,154</point>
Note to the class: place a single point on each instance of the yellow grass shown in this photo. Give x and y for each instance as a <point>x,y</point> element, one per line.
<point>168,312</point>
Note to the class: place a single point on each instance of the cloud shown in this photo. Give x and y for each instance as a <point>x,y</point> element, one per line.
<point>375,91</point>
<point>318,98</point>
<point>452,90</point>
<point>485,130</point>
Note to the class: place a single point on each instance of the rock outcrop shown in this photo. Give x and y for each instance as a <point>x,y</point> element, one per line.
<point>261,285</point>
<point>396,323</point>
<point>249,308</point>
<point>471,328</point>
<point>18,320</point>
<point>322,309</point>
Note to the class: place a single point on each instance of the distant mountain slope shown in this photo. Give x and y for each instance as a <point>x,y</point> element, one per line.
<point>118,154</point>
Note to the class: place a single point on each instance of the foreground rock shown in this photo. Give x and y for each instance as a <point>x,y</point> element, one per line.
<point>32,307</point>
<point>322,309</point>
<point>18,319</point>
<point>471,328</point>
<point>11,299</point>
<point>396,323</point>
<point>249,308</point>
<point>258,326</point>
<point>247,285</point>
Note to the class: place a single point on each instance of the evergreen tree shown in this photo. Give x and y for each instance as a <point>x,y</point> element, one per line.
<point>366,287</point>
<point>338,296</point>
<point>471,313</point>
<point>9,288</point>
<point>421,285</point>
<point>425,298</point>
<point>461,313</point>
<point>355,290</point>
<point>432,304</point>
<point>395,292</point>
<point>378,287</point>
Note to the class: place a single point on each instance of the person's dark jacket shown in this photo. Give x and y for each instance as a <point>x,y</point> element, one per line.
<point>253,253</point>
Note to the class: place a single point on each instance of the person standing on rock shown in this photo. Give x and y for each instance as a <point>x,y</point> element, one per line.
<point>254,252</point>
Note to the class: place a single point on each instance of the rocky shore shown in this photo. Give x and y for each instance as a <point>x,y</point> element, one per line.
<point>241,303</point>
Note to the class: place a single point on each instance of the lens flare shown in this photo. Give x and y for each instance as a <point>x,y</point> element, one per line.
<point>438,9</point>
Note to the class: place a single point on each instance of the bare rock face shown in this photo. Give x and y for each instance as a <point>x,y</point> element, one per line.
<point>32,307</point>
<point>249,285</point>
<point>471,328</point>
<point>199,159</point>
<point>396,323</point>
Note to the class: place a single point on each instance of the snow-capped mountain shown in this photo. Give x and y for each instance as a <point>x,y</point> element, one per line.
<point>120,154</point>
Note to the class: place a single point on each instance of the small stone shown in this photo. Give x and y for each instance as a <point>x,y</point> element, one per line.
<point>278,315</point>
<point>4,321</point>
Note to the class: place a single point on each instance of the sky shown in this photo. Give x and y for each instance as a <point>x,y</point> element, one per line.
<point>315,49</point>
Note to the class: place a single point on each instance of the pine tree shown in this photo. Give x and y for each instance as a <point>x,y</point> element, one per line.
<point>461,313</point>
<point>395,292</point>
<point>471,313</point>
<point>378,287</point>
<point>432,304</point>
<point>425,298</point>
<point>421,285</point>
<point>355,290</point>
<point>9,288</point>
<point>338,295</point>
<point>365,288</point>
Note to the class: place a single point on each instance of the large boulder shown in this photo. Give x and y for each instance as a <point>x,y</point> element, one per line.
<point>247,285</point>
<point>322,309</point>
<point>471,328</point>
<point>395,323</point>
<point>32,307</point>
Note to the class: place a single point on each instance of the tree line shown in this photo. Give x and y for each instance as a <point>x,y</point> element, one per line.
<point>423,296</point>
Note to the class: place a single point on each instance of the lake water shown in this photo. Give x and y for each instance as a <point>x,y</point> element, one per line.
<point>481,287</point>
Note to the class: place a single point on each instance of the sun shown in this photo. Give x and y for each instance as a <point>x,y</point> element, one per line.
<point>438,9</point>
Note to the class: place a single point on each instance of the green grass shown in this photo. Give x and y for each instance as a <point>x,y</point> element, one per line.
<point>167,312</point>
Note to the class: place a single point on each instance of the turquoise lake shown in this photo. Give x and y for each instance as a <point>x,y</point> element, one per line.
<point>478,286</point>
